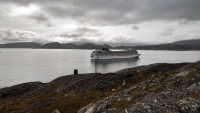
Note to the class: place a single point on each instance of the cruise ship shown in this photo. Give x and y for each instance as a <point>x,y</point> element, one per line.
<point>106,54</point>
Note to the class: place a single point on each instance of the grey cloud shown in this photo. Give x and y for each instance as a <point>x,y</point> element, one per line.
<point>134,27</point>
<point>39,17</point>
<point>49,25</point>
<point>79,32</point>
<point>167,31</point>
<point>134,11</point>
<point>71,35</point>
<point>85,29</point>
<point>170,10</point>
<point>104,12</point>
<point>18,2</point>
<point>11,35</point>
<point>2,16</point>
<point>14,39</point>
<point>64,11</point>
<point>3,12</point>
<point>10,40</point>
<point>185,22</point>
<point>75,35</point>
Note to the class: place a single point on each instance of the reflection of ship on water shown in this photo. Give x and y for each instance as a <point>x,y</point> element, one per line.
<point>106,54</point>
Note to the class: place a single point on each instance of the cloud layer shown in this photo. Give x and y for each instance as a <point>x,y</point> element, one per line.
<point>43,16</point>
<point>77,35</point>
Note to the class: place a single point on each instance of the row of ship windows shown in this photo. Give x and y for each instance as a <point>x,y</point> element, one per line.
<point>117,55</point>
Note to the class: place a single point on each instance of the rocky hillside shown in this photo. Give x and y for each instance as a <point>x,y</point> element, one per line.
<point>155,88</point>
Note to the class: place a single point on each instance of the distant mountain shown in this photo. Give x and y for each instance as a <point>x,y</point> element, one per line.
<point>194,42</point>
<point>20,45</point>
<point>52,45</point>
<point>178,45</point>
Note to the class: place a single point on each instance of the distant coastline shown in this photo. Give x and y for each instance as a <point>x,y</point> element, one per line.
<point>178,45</point>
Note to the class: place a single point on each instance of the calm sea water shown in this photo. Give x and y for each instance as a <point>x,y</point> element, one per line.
<point>26,65</point>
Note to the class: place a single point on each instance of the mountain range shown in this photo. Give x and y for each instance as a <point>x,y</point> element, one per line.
<point>178,45</point>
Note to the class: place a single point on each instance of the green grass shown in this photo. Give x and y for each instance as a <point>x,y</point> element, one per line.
<point>190,75</point>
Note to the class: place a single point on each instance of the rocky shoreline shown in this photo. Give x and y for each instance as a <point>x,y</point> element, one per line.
<point>155,88</point>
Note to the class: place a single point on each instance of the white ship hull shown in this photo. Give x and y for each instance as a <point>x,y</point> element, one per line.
<point>114,57</point>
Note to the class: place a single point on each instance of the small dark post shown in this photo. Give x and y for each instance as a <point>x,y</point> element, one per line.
<point>75,71</point>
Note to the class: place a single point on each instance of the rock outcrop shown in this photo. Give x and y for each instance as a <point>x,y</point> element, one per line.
<point>164,91</point>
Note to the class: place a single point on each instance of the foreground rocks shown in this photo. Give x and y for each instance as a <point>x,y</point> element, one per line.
<point>156,88</point>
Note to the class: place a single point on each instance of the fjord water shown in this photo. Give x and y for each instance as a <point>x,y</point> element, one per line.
<point>27,65</point>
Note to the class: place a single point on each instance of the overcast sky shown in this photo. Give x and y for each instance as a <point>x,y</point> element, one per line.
<point>113,21</point>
